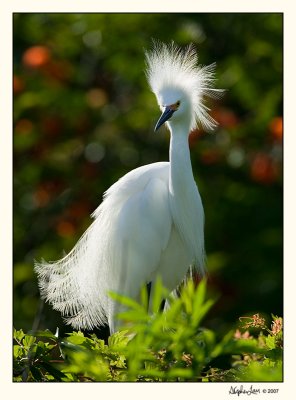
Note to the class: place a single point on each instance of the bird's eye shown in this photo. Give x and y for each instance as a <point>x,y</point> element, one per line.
<point>178,103</point>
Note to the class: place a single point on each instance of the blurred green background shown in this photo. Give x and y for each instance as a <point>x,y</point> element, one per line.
<point>84,116</point>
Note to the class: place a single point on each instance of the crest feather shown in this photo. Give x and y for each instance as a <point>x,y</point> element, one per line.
<point>169,66</point>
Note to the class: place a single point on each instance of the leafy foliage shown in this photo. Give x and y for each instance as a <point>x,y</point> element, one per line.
<point>169,346</point>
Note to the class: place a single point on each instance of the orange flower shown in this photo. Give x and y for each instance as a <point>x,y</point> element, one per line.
<point>263,169</point>
<point>36,56</point>
<point>41,196</point>
<point>276,128</point>
<point>276,326</point>
<point>239,335</point>
<point>18,84</point>
<point>225,117</point>
<point>254,322</point>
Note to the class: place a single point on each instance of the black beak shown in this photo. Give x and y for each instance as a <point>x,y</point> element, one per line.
<point>168,112</point>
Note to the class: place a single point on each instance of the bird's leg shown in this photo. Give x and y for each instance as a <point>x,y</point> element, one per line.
<point>162,304</point>
<point>149,285</point>
<point>149,288</point>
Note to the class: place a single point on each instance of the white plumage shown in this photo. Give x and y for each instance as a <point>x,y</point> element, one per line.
<point>151,222</point>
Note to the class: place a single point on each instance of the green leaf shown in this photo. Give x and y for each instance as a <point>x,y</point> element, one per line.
<point>259,372</point>
<point>200,294</point>
<point>133,316</point>
<point>118,339</point>
<point>275,354</point>
<point>18,335</point>
<point>200,307</point>
<point>158,293</point>
<point>64,344</point>
<point>126,301</point>
<point>270,342</point>
<point>17,351</point>
<point>28,341</point>
<point>36,374</point>
<point>46,333</point>
<point>180,373</point>
<point>58,375</point>
<point>76,338</point>
<point>201,312</point>
<point>97,343</point>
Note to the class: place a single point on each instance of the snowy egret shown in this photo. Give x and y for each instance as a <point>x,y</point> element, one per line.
<point>151,221</point>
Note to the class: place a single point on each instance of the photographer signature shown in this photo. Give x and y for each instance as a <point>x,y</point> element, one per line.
<point>241,390</point>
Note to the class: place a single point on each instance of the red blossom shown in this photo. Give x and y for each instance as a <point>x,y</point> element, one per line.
<point>36,56</point>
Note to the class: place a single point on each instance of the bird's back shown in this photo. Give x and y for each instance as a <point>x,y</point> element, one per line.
<point>134,182</point>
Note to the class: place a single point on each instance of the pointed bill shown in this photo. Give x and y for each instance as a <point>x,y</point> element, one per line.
<point>165,116</point>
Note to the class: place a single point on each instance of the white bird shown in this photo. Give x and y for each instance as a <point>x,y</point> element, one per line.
<point>151,221</point>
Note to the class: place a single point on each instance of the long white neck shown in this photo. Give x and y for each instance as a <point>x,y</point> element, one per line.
<point>181,176</point>
<point>185,201</point>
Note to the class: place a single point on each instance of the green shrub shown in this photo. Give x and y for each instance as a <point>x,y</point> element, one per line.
<point>170,346</point>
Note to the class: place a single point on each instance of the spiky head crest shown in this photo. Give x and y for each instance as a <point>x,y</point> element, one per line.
<point>171,69</point>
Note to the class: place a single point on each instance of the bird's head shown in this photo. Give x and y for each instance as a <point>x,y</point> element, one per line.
<point>176,107</point>
<point>180,86</point>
